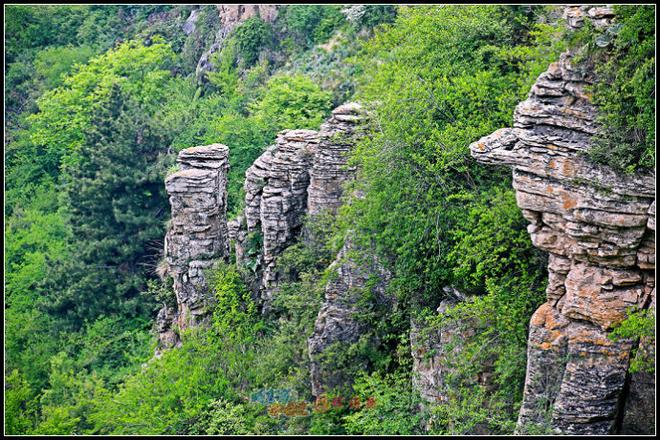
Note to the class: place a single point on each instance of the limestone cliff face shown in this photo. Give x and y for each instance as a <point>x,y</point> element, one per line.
<point>197,235</point>
<point>599,230</point>
<point>301,174</point>
<point>230,17</point>
<point>353,271</point>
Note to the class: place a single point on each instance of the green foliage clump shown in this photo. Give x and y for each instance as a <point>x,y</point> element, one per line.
<point>307,25</point>
<point>101,128</point>
<point>491,241</point>
<point>292,102</point>
<point>250,38</point>
<point>231,418</point>
<point>388,405</point>
<point>19,406</point>
<point>637,325</point>
<point>623,57</point>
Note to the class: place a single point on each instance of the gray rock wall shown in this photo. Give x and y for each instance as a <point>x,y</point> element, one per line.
<point>197,235</point>
<point>330,169</point>
<point>353,271</point>
<point>598,227</point>
<point>301,174</point>
<point>275,201</point>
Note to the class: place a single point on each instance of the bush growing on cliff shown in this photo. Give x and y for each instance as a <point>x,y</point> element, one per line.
<point>624,92</point>
<point>307,25</point>
<point>250,38</point>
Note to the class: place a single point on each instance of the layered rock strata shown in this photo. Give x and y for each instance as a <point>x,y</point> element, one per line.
<point>301,174</point>
<point>197,235</point>
<point>330,170</point>
<point>275,202</point>
<point>353,271</point>
<point>598,228</point>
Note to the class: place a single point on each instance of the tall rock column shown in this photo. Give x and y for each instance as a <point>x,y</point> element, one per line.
<point>275,202</point>
<point>197,235</point>
<point>330,169</point>
<point>596,226</point>
<point>301,174</point>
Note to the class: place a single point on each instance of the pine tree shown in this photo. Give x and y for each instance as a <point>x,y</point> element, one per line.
<point>113,189</point>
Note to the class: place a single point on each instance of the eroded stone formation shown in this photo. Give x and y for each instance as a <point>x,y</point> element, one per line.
<point>301,174</point>
<point>429,349</point>
<point>353,271</point>
<point>275,202</point>
<point>599,230</point>
<point>330,169</point>
<point>197,235</point>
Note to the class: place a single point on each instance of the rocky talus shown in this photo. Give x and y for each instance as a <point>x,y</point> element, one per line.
<point>301,174</point>
<point>197,235</point>
<point>599,230</point>
<point>353,271</point>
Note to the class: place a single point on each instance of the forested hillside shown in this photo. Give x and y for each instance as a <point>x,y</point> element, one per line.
<point>99,100</point>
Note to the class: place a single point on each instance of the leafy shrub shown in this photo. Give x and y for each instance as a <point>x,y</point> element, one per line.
<point>309,24</point>
<point>624,60</point>
<point>638,324</point>
<point>231,418</point>
<point>19,406</point>
<point>292,102</point>
<point>249,39</point>
<point>388,405</point>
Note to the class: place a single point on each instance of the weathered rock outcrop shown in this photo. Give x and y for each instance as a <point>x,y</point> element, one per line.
<point>301,174</point>
<point>429,350</point>
<point>435,349</point>
<point>197,235</point>
<point>330,170</point>
<point>275,202</point>
<point>598,227</point>
<point>230,17</point>
<point>354,270</point>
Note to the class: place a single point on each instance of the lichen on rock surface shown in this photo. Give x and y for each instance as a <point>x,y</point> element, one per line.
<point>598,227</point>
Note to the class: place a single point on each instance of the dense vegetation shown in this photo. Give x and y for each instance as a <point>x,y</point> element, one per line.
<point>624,91</point>
<point>100,98</point>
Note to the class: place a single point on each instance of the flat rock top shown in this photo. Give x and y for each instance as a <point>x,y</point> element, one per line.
<point>191,173</point>
<point>348,108</point>
<point>213,151</point>
<point>298,135</point>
